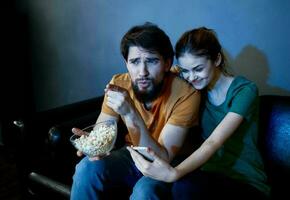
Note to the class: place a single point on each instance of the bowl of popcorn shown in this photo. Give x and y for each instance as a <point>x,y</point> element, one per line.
<point>97,139</point>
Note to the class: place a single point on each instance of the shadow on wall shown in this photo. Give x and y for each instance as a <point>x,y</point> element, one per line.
<point>252,63</point>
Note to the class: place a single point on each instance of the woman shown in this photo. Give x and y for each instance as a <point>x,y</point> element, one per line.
<point>228,163</point>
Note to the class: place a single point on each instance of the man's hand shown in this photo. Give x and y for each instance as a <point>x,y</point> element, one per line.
<point>118,99</point>
<point>80,132</point>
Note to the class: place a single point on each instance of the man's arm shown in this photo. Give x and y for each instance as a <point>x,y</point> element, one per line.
<point>139,132</point>
<point>105,117</point>
<point>169,142</point>
<point>171,137</point>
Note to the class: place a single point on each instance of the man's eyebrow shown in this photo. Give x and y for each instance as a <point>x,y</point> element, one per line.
<point>153,58</point>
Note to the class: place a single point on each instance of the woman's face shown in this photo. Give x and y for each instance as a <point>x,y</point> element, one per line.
<point>197,70</point>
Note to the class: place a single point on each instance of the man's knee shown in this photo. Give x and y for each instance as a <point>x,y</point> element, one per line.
<point>86,180</point>
<point>147,188</point>
<point>87,170</point>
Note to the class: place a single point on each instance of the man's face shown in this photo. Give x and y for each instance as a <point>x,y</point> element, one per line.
<point>147,71</point>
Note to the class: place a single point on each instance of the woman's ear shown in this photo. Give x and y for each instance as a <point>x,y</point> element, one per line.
<point>218,60</point>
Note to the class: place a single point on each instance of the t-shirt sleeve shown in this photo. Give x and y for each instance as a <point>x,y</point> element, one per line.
<point>245,101</point>
<point>106,109</point>
<point>185,112</point>
<point>175,70</point>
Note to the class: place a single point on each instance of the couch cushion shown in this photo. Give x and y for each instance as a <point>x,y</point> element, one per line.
<point>275,124</point>
<point>275,135</point>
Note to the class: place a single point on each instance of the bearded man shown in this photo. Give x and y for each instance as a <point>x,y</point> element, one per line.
<point>157,108</point>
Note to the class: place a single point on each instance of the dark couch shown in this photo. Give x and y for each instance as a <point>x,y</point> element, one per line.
<point>47,159</point>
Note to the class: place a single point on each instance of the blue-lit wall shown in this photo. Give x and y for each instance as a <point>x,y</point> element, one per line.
<point>75,44</point>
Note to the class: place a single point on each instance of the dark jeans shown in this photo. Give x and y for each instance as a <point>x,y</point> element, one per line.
<point>203,185</point>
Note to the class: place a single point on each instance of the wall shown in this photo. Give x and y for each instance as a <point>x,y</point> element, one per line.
<point>75,44</point>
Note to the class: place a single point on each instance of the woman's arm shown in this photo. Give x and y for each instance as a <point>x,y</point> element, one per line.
<point>161,170</point>
<point>221,133</point>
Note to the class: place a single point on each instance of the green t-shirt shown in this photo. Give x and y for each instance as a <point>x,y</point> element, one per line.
<point>239,158</point>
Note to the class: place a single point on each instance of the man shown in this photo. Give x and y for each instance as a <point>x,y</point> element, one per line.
<point>157,107</point>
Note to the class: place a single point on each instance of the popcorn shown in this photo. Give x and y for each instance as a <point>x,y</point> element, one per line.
<point>98,142</point>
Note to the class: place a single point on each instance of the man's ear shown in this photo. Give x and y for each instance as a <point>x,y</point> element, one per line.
<point>168,64</point>
<point>125,61</point>
<point>218,60</point>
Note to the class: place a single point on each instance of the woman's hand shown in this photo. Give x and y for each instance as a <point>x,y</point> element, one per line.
<point>158,169</point>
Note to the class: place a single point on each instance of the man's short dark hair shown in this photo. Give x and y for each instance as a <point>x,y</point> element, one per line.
<point>150,37</point>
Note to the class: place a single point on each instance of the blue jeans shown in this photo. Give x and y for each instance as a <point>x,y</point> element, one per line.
<point>99,179</point>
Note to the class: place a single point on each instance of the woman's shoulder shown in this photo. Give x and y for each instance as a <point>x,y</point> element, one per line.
<point>243,97</point>
<point>242,83</point>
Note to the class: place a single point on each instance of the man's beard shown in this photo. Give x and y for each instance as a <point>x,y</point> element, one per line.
<point>147,96</point>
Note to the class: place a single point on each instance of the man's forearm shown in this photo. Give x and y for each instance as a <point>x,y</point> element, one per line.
<point>140,135</point>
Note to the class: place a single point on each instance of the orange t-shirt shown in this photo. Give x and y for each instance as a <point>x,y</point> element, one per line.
<point>177,105</point>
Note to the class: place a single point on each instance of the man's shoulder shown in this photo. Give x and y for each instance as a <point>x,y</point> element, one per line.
<point>121,77</point>
<point>181,85</point>
<point>122,80</point>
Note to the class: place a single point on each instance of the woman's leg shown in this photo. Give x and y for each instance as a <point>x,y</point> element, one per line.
<point>191,186</point>
<point>203,185</point>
